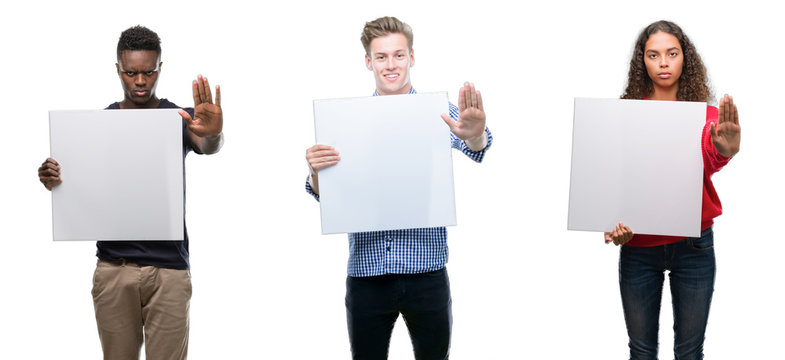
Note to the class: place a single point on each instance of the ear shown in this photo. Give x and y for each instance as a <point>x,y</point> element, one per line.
<point>117,66</point>
<point>368,62</point>
<point>160,66</point>
<point>411,58</point>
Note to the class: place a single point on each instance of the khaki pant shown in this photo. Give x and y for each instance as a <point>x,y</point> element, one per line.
<point>130,298</point>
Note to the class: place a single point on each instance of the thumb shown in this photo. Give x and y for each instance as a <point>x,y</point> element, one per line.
<point>713,130</point>
<point>448,121</point>
<point>184,114</point>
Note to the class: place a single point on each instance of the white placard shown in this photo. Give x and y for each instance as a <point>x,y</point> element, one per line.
<point>638,162</point>
<point>122,174</point>
<point>395,170</point>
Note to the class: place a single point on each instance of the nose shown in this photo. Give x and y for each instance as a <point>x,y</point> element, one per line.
<point>139,79</point>
<point>389,64</point>
<point>663,61</point>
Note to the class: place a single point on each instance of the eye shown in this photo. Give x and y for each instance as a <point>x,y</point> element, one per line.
<point>380,57</point>
<point>400,56</point>
<point>674,54</point>
<point>652,56</point>
<point>149,73</point>
<point>130,73</point>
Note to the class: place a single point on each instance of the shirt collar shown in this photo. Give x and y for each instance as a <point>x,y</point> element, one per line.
<point>411,91</point>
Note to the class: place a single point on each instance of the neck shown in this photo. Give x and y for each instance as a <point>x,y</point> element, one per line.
<point>668,94</point>
<point>150,104</point>
<point>403,91</point>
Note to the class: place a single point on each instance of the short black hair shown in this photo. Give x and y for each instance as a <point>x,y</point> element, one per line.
<point>138,38</point>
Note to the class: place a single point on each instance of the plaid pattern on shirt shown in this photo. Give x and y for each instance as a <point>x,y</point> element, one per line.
<point>407,251</point>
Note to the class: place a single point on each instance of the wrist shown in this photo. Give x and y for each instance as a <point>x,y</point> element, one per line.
<point>477,143</point>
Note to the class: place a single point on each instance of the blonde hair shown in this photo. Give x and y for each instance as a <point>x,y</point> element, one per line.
<point>384,26</point>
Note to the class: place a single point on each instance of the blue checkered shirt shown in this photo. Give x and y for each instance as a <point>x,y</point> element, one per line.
<point>407,251</point>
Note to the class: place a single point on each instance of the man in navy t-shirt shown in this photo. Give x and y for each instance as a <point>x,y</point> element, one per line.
<point>145,286</point>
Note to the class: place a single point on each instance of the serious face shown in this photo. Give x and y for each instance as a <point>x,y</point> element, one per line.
<point>664,58</point>
<point>138,71</point>
<point>390,60</point>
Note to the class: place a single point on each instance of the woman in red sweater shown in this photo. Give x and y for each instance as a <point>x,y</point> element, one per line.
<point>666,66</point>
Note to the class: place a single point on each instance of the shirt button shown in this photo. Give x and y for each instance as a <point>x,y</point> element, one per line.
<point>388,248</point>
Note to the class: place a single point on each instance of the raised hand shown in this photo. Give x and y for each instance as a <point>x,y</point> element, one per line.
<point>620,235</point>
<point>49,173</point>
<point>726,133</point>
<point>208,117</point>
<point>471,115</point>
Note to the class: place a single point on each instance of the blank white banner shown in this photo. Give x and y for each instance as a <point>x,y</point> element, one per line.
<point>638,162</point>
<point>122,174</point>
<point>395,170</point>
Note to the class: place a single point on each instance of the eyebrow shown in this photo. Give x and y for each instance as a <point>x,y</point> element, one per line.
<point>392,52</point>
<point>673,48</point>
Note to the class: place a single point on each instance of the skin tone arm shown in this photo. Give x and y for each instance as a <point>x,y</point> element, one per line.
<point>470,126</point>
<point>205,129</point>
<point>726,136</point>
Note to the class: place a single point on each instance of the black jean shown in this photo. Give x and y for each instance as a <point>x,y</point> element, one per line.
<point>373,304</point>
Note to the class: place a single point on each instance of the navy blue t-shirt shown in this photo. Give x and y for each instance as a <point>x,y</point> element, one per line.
<point>164,254</point>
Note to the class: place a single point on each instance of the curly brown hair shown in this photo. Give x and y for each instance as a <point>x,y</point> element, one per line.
<point>693,82</point>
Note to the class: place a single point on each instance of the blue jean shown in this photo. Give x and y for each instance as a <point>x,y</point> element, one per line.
<point>373,304</point>
<point>641,274</point>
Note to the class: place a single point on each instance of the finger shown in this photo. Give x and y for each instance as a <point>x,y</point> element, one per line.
<point>608,237</point>
<point>218,95</point>
<point>723,107</point>
<point>44,173</point>
<point>462,99</point>
<point>713,130</point>
<point>202,97</point>
<point>185,115</point>
<point>49,165</point>
<point>449,122</point>
<point>323,160</point>
<point>207,92</point>
<point>319,147</point>
<point>318,165</point>
<point>734,113</point>
<point>195,88</point>
<point>473,95</point>
<point>479,101</point>
<point>322,154</point>
<point>321,166</point>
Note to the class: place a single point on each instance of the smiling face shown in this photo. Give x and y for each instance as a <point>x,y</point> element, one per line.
<point>138,71</point>
<point>664,60</point>
<point>390,58</point>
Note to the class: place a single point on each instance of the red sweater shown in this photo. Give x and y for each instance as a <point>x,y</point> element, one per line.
<point>711,208</point>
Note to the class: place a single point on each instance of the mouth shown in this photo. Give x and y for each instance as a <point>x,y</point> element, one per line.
<point>391,77</point>
<point>664,75</point>
<point>140,93</point>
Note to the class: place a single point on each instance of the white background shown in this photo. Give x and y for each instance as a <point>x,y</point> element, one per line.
<point>267,285</point>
